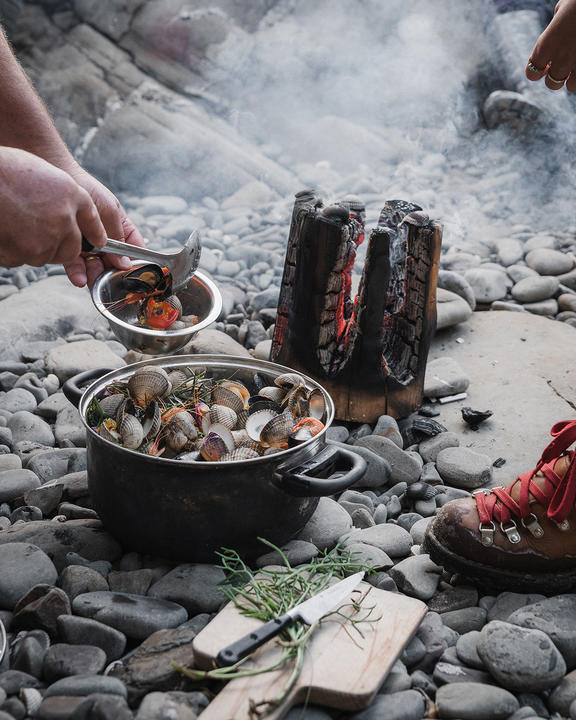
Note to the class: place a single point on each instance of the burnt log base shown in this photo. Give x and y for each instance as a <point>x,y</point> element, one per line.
<point>369,352</point>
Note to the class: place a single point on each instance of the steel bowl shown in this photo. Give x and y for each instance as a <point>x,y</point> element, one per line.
<point>200,297</point>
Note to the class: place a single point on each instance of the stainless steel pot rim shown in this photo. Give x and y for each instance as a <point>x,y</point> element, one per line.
<point>212,316</point>
<point>304,451</point>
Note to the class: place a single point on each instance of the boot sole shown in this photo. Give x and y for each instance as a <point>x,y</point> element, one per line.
<point>494,579</point>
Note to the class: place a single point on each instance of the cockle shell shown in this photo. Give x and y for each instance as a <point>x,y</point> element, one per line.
<point>241,453</point>
<point>110,404</point>
<point>257,421</point>
<point>257,403</point>
<point>177,377</point>
<point>296,401</point>
<point>131,432</point>
<point>241,419</point>
<point>237,387</point>
<point>180,431</point>
<point>277,431</point>
<point>214,447</point>
<point>272,393</point>
<point>240,436</point>
<point>228,398</point>
<point>32,700</point>
<point>149,383</point>
<point>175,438</point>
<point>174,301</point>
<point>152,420</point>
<point>221,415</point>
<point>287,381</point>
<point>184,421</point>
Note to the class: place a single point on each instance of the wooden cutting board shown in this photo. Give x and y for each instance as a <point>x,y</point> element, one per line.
<point>341,669</point>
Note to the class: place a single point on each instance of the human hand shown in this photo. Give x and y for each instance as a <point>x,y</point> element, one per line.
<point>86,268</point>
<point>44,212</point>
<point>554,55</point>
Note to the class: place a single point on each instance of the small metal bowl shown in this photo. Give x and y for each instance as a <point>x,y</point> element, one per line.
<point>200,297</point>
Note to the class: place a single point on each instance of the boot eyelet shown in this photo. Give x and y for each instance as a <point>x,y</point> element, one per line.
<point>564,525</point>
<point>533,526</point>
<point>511,532</point>
<point>487,533</point>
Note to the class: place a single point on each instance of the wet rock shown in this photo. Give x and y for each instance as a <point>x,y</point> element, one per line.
<point>474,701</point>
<point>195,587</point>
<point>84,631</point>
<point>391,539</point>
<point>549,262</point>
<point>508,602</point>
<point>465,620</point>
<point>488,285</point>
<point>454,598</point>
<point>417,576</point>
<point>404,466</point>
<point>18,399</point>
<point>86,684</point>
<point>134,615</point>
<point>555,616</point>
<point>329,522</point>
<point>520,659</point>
<point>406,705</point>
<point>70,359</point>
<point>296,552</point>
<point>26,426</point>
<point>430,447</point>
<point>533,289</point>
<point>15,483</point>
<point>76,579</point>
<point>444,377</point>
<point>40,608</point>
<point>99,706</point>
<point>464,468</point>
<point>23,566</point>
<point>446,673</point>
<point>466,649</point>
<point>62,660</point>
<point>151,667</point>
<point>85,537</point>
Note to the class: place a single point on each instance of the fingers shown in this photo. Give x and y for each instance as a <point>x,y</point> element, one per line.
<point>131,232</point>
<point>89,221</point>
<point>554,55</point>
<point>76,271</point>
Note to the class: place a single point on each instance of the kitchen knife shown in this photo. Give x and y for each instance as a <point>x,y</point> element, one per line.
<point>310,611</point>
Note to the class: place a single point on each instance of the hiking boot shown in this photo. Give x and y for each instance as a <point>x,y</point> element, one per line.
<point>522,537</point>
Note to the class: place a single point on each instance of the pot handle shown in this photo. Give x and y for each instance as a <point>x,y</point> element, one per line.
<point>72,387</point>
<point>323,474</point>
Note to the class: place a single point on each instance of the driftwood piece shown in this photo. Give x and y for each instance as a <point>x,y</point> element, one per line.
<point>369,352</point>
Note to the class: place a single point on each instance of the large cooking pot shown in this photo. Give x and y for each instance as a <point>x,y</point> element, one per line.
<point>187,510</point>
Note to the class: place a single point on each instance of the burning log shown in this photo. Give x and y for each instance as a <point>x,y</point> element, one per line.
<point>369,352</point>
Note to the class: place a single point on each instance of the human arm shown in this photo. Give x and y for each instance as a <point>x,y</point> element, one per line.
<point>554,55</point>
<point>26,124</point>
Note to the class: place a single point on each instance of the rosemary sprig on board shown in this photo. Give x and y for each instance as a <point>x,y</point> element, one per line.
<point>270,592</point>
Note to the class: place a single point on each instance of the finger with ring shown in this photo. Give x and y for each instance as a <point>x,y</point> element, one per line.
<point>534,68</point>
<point>87,258</point>
<point>553,81</point>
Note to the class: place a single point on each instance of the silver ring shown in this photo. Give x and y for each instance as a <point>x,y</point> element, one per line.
<point>534,68</point>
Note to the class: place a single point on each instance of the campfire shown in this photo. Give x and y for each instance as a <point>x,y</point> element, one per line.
<point>369,351</point>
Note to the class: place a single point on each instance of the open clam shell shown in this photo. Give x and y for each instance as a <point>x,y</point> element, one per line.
<point>241,453</point>
<point>131,432</point>
<point>149,383</point>
<point>215,446</point>
<point>110,404</point>
<point>237,387</point>
<point>317,404</point>
<point>287,381</point>
<point>108,430</point>
<point>219,415</point>
<point>227,398</point>
<point>152,420</point>
<point>296,401</point>
<point>257,421</point>
<point>272,393</point>
<point>177,377</point>
<point>277,431</point>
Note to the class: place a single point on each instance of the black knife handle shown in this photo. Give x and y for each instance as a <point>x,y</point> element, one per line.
<point>247,644</point>
<point>87,248</point>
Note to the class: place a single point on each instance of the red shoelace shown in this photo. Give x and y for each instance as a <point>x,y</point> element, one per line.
<point>558,495</point>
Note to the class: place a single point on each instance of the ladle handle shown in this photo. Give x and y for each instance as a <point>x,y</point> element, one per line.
<point>119,247</point>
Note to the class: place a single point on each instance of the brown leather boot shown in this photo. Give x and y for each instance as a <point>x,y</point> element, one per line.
<point>522,537</point>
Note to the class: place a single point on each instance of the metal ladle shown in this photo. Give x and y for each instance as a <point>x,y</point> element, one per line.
<point>182,264</point>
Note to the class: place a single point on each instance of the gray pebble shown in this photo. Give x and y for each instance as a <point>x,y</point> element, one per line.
<point>549,262</point>
<point>18,399</point>
<point>464,468</point>
<point>134,615</point>
<point>23,566</point>
<point>14,483</point>
<point>520,659</point>
<point>76,579</point>
<point>393,540</point>
<point>454,598</point>
<point>474,701</point>
<point>388,428</point>
<point>418,530</point>
<point>507,602</point>
<point>296,552</point>
<point>533,289</point>
<point>26,426</point>
<point>329,522</point>
<point>467,649</point>
<point>417,576</point>
<point>465,620</point>
<point>446,673</point>
<point>444,376</point>
<point>86,685</point>
<point>564,694</point>
<point>406,705</point>
<point>488,285</point>
<point>405,467</point>
<point>372,556</point>
<point>543,307</point>
<point>62,660</point>
<point>84,631</point>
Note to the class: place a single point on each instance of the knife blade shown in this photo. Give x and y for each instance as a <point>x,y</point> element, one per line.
<point>309,611</point>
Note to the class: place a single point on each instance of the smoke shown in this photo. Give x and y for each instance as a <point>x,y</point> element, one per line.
<point>384,97</point>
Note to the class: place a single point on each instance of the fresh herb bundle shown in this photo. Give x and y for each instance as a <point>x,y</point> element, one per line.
<point>273,591</point>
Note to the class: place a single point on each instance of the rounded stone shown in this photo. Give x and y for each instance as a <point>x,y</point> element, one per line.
<point>430,447</point>
<point>464,468</point>
<point>18,399</point>
<point>23,566</point>
<point>549,262</point>
<point>417,576</point>
<point>328,522</point>
<point>392,539</point>
<point>509,251</point>
<point>84,631</point>
<point>26,426</point>
<point>533,289</point>
<point>87,684</point>
<point>15,483</point>
<point>488,285</point>
<point>520,659</point>
<point>567,302</point>
<point>474,701</point>
<point>444,376</point>
<point>62,660</point>
<point>451,309</point>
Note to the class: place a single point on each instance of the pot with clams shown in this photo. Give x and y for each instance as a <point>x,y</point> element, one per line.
<point>189,454</point>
